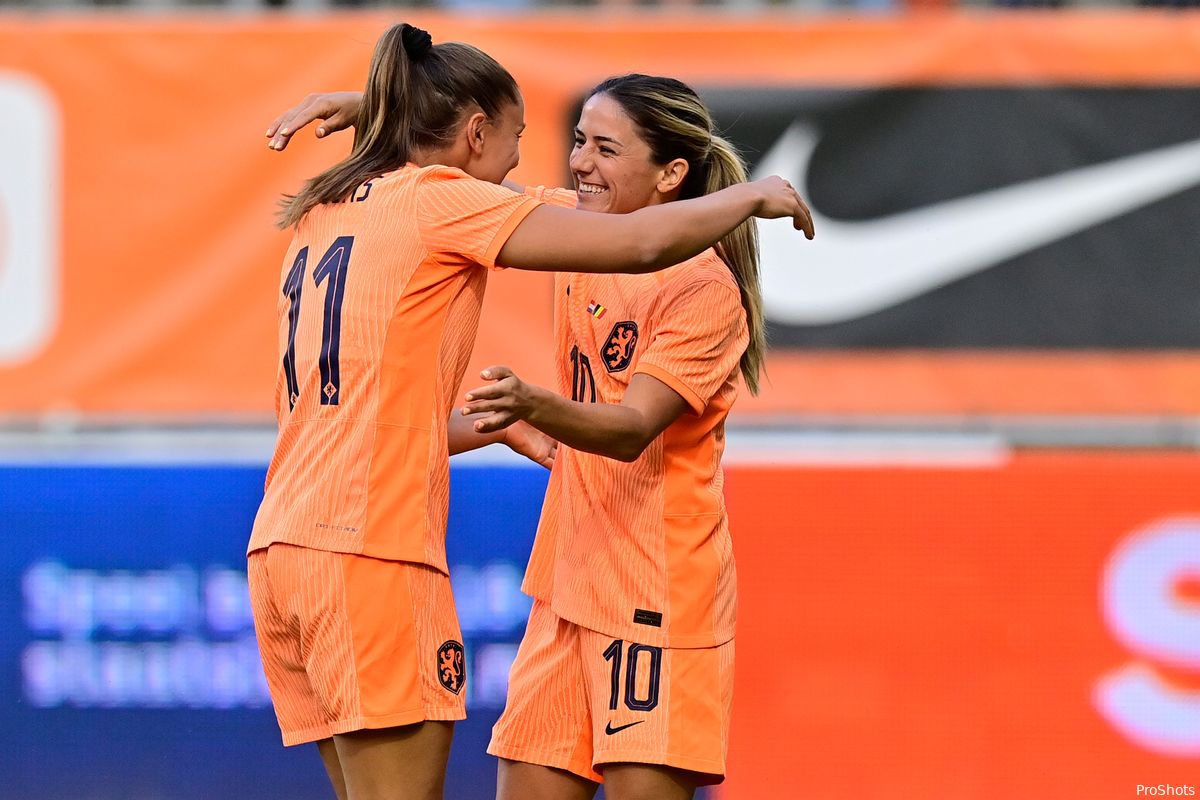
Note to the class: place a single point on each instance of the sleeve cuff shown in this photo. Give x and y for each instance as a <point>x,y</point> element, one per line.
<point>689,395</point>
<point>506,230</point>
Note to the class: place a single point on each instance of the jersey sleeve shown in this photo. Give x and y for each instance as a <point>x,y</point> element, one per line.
<point>699,339</point>
<point>462,219</point>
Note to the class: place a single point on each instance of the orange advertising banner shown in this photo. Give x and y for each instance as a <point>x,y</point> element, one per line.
<point>139,265</point>
<point>1026,628</point>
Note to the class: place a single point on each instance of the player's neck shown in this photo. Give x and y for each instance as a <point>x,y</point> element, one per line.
<point>453,155</point>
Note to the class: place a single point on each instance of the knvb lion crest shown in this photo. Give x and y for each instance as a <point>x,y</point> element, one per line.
<point>451,666</point>
<point>618,350</point>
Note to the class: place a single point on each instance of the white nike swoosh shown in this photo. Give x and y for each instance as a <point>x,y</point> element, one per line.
<point>856,268</point>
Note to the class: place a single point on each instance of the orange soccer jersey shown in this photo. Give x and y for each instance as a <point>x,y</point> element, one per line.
<point>642,551</point>
<point>377,317</point>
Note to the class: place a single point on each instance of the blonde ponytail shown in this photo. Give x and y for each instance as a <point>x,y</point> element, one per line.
<point>739,250</point>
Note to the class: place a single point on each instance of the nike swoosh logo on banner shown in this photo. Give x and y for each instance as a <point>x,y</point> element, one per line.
<point>852,269</point>
<point>610,730</point>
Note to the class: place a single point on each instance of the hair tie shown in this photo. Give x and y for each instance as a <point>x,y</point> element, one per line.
<point>417,42</point>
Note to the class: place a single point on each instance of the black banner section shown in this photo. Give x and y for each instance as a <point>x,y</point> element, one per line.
<point>988,217</point>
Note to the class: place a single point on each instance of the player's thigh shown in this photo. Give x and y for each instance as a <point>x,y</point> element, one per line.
<point>518,780</point>
<point>333,766</point>
<point>650,782</point>
<point>663,707</point>
<point>402,763</point>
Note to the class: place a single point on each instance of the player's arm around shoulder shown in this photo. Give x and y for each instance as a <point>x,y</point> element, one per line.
<point>619,431</point>
<point>650,238</point>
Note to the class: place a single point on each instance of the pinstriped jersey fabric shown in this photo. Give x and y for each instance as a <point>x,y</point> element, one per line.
<point>642,551</point>
<point>377,317</point>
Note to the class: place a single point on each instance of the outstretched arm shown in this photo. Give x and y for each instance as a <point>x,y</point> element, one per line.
<point>621,431</point>
<point>651,238</point>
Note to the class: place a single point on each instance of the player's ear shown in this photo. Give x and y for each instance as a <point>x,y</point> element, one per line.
<point>475,133</point>
<point>672,176</point>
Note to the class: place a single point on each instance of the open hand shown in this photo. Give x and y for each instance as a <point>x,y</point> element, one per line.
<point>505,401</point>
<point>338,110</point>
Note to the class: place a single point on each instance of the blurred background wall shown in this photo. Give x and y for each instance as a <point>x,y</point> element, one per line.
<point>966,507</point>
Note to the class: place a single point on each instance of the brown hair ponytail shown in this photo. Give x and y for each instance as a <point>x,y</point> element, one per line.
<point>417,94</point>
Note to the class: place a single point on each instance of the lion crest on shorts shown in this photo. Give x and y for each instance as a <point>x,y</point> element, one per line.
<point>451,666</point>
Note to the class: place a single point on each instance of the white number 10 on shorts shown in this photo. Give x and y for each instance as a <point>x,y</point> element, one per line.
<point>29,209</point>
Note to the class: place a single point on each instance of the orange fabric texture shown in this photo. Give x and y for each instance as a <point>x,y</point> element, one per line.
<point>642,551</point>
<point>377,317</point>
<point>336,659</point>
<point>579,699</point>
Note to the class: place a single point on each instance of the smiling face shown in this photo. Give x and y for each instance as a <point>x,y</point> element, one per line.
<point>612,165</point>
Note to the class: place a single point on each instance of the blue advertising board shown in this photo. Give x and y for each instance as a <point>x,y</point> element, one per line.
<point>128,666</point>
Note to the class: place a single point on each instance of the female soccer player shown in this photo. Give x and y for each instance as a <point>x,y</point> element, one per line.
<point>626,669</point>
<point>381,290</point>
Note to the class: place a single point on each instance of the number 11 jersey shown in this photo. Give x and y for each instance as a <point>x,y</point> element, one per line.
<point>378,313</point>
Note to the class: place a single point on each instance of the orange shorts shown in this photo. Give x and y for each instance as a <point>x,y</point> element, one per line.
<point>350,642</point>
<point>578,700</point>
